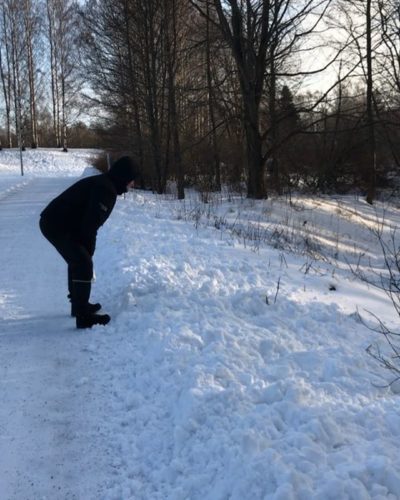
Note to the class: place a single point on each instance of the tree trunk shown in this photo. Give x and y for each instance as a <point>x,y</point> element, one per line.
<point>6,101</point>
<point>17,89</point>
<point>177,146</point>
<point>63,114</point>
<point>53,70</point>
<point>274,126</point>
<point>249,52</point>
<point>7,81</point>
<point>371,175</point>
<point>255,160</point>
<point>133,85</point>
<point>32,93</point>
<point>255,181</point>
<point>171,53</point>
<point>150,69</point>
<point>216,171</point>
<point>29,21</point>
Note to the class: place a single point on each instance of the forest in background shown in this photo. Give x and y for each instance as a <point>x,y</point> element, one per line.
<point>210,92</point>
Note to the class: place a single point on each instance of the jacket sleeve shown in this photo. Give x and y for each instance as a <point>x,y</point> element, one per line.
<point>98,209</point>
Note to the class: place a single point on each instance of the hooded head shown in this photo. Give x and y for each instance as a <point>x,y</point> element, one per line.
<point>122,172</point>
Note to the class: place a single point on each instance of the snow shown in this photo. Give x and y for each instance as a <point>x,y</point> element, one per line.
<point>230,369</point>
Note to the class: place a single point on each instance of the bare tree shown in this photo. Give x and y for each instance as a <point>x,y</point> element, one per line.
<point>51,19</point>
<point>216,170</point>
<point>362,24</point>
<point>245,28</point>
<point>388,73</point>
<point>370,107</point>
<point>134,121</point>
<point>134,60</point>
<point>63,35</point>
<point>389,56</point>
<point>31,28</point>
<point>260,34</point>
<point>173,12</point>
<point>15,34</point>
<point>5,70</point>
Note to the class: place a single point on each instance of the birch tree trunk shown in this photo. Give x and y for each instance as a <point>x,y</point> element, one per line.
<point>53,70</point>
<point>6,74</point>
<point>16,44</point>
<point>29,31</point>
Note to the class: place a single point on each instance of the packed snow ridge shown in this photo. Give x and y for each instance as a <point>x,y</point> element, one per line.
<point>235,364</point>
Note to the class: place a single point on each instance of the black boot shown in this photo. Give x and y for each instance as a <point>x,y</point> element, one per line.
<point>92,308</point>
<point>89,320</point>
<point>80,303</point>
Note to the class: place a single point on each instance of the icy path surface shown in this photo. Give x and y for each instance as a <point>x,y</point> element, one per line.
<point>49,446</point>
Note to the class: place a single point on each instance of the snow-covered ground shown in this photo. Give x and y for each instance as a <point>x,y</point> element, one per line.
<point>233,368</point>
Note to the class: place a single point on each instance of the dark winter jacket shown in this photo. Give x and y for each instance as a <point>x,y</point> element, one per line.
<point>82,208</point>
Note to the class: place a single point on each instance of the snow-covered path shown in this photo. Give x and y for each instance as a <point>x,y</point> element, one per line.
<point>49,447</point>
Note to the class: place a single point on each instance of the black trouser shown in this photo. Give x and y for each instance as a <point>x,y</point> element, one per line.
<point>78,259</point>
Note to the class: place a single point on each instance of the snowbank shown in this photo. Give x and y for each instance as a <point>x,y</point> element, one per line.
<point>218,394</point>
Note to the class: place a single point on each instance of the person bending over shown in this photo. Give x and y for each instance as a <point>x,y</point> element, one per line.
<point>70,223</point>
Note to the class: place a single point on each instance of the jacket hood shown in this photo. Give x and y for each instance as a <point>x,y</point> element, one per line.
<point>123,171</point>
